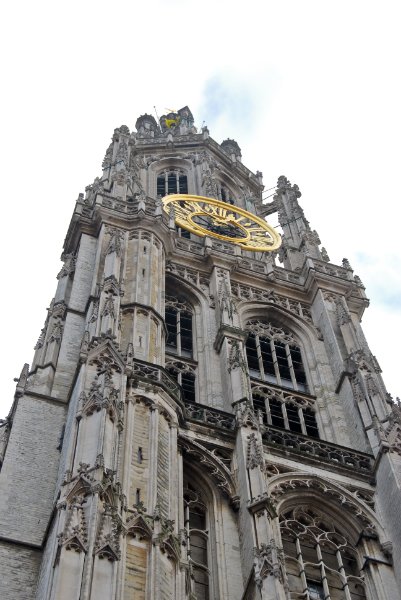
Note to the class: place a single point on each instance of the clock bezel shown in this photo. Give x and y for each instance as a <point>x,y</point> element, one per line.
<point>270,238</point>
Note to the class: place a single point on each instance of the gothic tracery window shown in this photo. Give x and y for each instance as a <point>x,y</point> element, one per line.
<point>224,193</point>
<point>184,375</point>
<point>274,356</point>
<point>172,181</point>
<point>178,315</point>
<point>196,527</point>
<point>285,411</point>
<point>321,563</point>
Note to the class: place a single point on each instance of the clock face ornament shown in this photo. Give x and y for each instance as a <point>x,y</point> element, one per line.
<point>207,216</point>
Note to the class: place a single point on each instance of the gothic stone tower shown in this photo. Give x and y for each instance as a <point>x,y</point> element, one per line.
<point>198,422</point>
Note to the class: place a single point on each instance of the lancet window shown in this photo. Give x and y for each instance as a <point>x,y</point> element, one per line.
<point>172,182</point>
<point>197,532</point>
<point>184,375</point>
<point>178,315</point>
<point>274,356</point>
<point>321,563</point>
<point>224,193</point>
<point>285,410</point>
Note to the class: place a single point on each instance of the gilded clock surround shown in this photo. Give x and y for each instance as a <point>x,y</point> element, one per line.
<point>208,216</point>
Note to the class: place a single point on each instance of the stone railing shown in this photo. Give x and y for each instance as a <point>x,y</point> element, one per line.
<point>209,416</point>
<point>156,375</point>
<point>330,269</point>
<point>189,245</point>
<point>319,450</point>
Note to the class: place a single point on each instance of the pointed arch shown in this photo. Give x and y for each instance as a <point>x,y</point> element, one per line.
<point>211,465</point>
<point>326,533</point>
<point>353,514</point>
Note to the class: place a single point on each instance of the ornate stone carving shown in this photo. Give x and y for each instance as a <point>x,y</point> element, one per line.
<point>95,312</point>
<point>226,303</point>
<point>122,152</point>
<point>115,243</point>
<point>244,292</point>
<point>180,304</point>
<point>56,332</point>
<point>140,526</point>
<point>245,415</point>
<point>268,560</point>
<point>164,537</point>
<point>324,254</point>
<point>107,543</point>
<point>302,484</point>
<point>193,276</point>
<point>75,534</point>
<point>41,339</point>
<point>108,307</point>
<point>235,358</point>
<point>216,468</point>
<point>392,435</point>
<point>68,267</point>
<point>104,354</point>
<point>269,331</point>
<point>343,314</point>
<point>209,416</point>
<point>254,454</point>
<point>319,450</point>
<point>108,157</point>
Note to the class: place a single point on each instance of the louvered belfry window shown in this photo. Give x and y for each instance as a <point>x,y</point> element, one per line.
<point>195,515</point>
<point>273,356</point>
<point>179,318</point>
<point>172,182</point>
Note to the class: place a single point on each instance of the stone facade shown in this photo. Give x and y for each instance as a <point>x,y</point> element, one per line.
<point>199,422</point>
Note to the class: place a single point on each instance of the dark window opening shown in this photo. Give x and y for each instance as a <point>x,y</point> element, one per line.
<point>276,413</point>
<point>171,182</point>
<point>276,362</point>
<point>252,354</point>
<point>171,324</point>
<point>315,590</point>
<point>188,387</point>
<point>294,422</point>
<point>310,422</point>
<point>184,233</point>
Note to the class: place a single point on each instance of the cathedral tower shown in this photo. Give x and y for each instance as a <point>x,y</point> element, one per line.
<point>203,418</point>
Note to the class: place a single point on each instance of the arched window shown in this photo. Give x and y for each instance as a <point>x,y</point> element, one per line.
<point>184,375</point>
<point>197,532</point>
<point>224,193</point>
<point>321,563</point>
<point>285,410</point>
<point>274,356</point>
<point>178,315</point>
<point>172,182</point>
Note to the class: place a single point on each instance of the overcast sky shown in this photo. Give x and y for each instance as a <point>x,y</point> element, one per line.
<point>309,89</point>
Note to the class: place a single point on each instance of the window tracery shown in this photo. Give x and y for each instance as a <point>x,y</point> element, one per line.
<point>184,374</point>
<point>178,315</point>
<point>172,181</point>
<point>321,563</point>
<point>274,356</point>
<point>197,532</point>
<point>224,193</point>
<point>285,410</point>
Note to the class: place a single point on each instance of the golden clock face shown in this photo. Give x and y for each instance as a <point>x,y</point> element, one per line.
<point>207,216</point>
